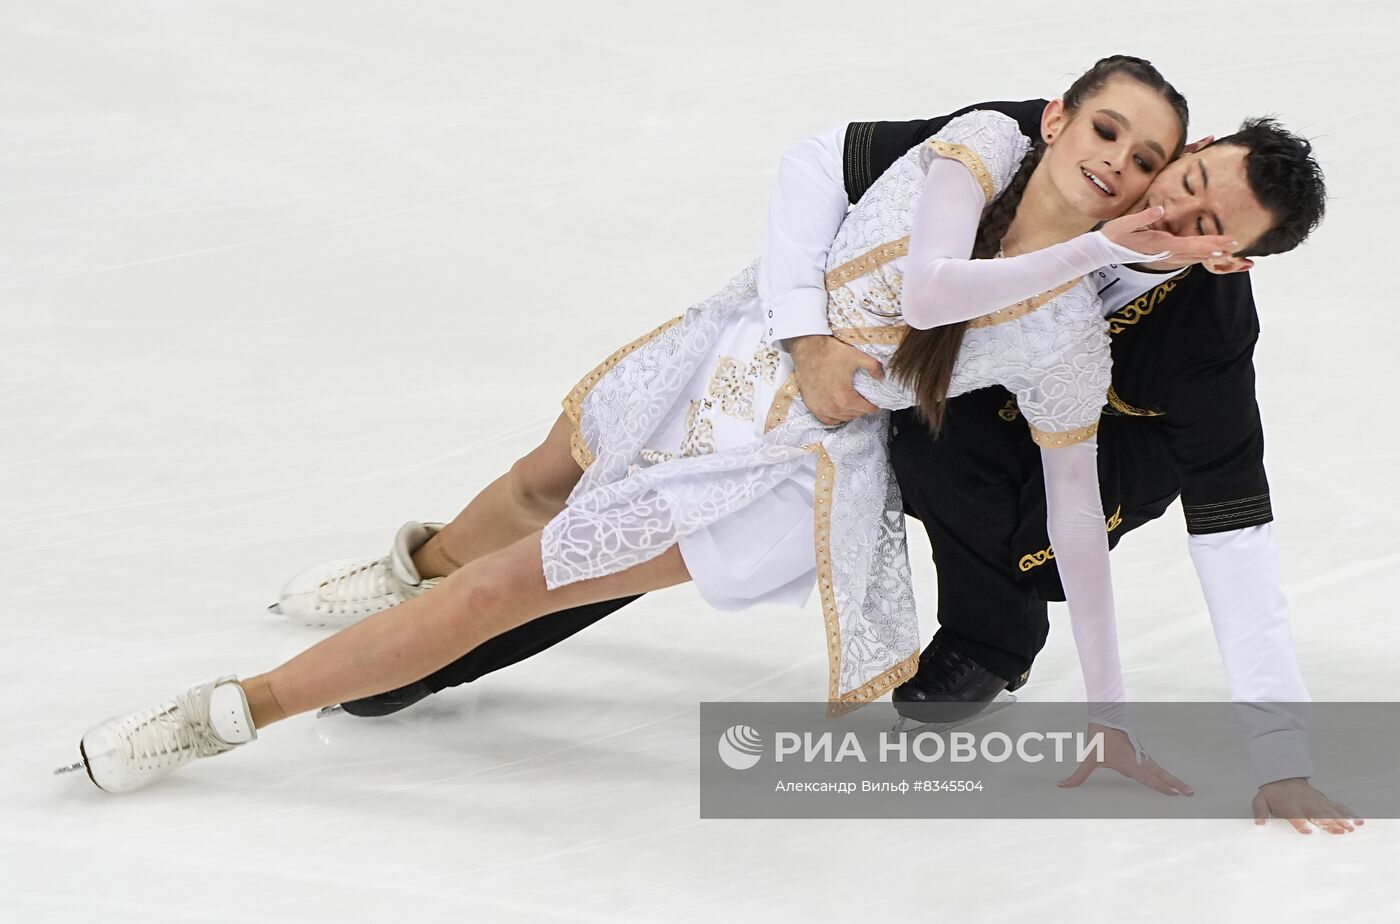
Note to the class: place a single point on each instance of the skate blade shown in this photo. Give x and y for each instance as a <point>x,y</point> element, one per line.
<point>275,607</point>
<point>329,710</point>
<point>906,724</point>
<point>71,768</point>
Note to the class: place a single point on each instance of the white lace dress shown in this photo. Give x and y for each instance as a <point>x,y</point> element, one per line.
<point>694,433</point>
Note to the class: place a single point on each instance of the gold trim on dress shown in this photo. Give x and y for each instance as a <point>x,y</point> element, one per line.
<point>890,334</point>
<point>579,449</point>
<point>1123,407</point>
<point>875,688</point>
<point>1036,559</point>
<point>1023,307</point>
<point>873,259</point>
<point>1058,439</point>
<point>831,617</point>
<point>1142,306</point>
<point>821,529</point>
<point>573,401</point>
<point>870,260</point>
<point>969,159</point>
<point>782,403</point>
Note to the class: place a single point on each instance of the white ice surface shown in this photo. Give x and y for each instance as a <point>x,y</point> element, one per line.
<point>275,277</point>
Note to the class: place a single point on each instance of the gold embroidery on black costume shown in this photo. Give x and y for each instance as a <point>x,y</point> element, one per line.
<point>1142,306</point>
<point>1036,559</point>
<point>1123,407</point>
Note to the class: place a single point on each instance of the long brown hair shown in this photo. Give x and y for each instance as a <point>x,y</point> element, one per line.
<point>925,358</point>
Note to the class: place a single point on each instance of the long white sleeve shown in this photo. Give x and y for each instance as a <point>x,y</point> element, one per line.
<point>1238,570</point>
<point>805,211</point>
<point>1074,517</point>
<point>942,286</point>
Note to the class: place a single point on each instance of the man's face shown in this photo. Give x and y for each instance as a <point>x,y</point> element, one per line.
<point>1208,193</point>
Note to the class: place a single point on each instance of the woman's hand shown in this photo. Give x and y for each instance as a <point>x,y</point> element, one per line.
<point>1135,232</point>
<point>1119,754</point>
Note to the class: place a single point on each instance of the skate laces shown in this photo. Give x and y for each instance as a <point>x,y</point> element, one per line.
<point>173,732</point>
<point>361,584</point>
<point>946,669</point>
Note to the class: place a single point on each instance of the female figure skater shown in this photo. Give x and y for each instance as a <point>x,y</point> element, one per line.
<point>689,455</point>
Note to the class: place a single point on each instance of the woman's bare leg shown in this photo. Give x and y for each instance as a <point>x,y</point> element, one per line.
<point>476,602</point>
<point>516,504</point>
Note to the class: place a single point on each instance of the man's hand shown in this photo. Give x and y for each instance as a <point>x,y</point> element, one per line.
<point>1296,801</point>
<point>826,369</point>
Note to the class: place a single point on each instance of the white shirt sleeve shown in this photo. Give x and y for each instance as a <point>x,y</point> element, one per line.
<point>1238,570</point>
<point>1075,522</point>
<point>943,286</point>
<point>805,211</point>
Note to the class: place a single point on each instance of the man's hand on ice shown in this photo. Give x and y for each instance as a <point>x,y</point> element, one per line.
<point>1298,803</point>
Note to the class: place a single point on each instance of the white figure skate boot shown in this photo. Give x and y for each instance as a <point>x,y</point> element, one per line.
<point>340,593</point>
<point>133,750</point>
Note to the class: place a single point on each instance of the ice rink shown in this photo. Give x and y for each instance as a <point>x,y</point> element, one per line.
<point>276,277</point>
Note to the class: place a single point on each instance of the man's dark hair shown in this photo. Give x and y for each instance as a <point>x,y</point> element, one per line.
<point>1285,179</point>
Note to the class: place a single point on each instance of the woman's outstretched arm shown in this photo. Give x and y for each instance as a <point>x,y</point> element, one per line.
<point>943,285</point>
<point>1076,524</point>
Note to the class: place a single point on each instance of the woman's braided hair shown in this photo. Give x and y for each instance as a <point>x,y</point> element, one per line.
<point>925,358</point>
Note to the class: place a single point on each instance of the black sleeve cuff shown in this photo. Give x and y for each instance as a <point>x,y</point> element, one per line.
<point>1224,516</point>
<point>856,162</point>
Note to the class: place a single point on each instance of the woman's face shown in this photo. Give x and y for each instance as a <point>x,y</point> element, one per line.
<point>1102,157</point>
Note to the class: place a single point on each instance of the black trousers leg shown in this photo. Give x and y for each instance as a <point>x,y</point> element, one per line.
<point>522,642</point>
<point>966,486</point>
<point>980,491</point>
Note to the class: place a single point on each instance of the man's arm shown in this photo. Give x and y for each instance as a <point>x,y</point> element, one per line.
<point>1238,570</point>
<point>1216,436</point>
<point>1217,439</point>
<point>1239,574</point>
<point>804,214</point>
